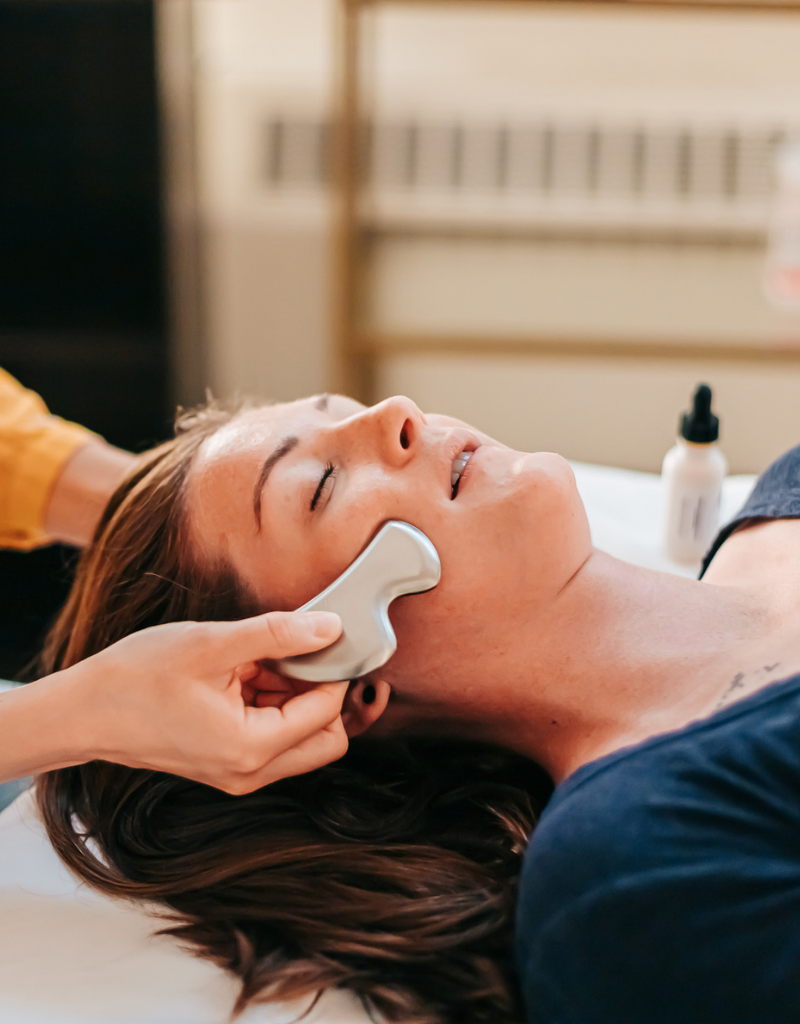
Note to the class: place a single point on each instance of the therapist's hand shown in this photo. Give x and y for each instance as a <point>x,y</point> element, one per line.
<point>177,698</point>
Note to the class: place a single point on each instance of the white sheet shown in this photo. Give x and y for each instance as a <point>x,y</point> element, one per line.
<point>69,955</point>
<point>625,511</point>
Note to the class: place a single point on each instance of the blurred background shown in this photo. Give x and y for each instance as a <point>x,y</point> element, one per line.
<point>563,223</point>
<point>567,215</point>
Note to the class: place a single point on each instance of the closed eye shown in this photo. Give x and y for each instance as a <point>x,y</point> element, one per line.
<point>327,475</point>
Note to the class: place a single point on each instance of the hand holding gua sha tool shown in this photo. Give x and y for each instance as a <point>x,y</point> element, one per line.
<point>399,560</point>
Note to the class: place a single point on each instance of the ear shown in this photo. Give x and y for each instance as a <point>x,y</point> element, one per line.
<point>364,704</point>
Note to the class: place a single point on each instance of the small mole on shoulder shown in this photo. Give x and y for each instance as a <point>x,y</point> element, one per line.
<point>771,668</point>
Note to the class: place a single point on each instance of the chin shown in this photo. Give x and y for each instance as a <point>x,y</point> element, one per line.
<point>549,463</point>
<point>543,481</point>
<point>552,517</point>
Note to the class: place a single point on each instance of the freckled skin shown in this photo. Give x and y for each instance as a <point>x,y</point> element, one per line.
<point>509,542</point>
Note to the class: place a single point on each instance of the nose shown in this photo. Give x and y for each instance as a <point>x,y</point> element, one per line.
<point>394,426</point>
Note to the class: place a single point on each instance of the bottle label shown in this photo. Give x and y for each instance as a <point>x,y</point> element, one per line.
<point>698,516</point>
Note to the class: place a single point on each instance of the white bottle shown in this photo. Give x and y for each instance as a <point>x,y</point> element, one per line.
<point>692,475</point>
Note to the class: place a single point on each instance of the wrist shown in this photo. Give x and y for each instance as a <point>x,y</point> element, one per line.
<point>43,726</point>
<point>64,717</point>
<point>74,714</point>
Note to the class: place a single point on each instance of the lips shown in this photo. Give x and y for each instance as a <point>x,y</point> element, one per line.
<point>459,465</point>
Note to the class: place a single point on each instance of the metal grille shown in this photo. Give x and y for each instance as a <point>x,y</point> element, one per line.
<point>569,168</point>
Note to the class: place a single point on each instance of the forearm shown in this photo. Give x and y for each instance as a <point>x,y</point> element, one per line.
<point>42,727</point>
<point>55,476</point>
<point>82,489</point>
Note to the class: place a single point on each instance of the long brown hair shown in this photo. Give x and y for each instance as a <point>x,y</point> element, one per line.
<point>391,872</point>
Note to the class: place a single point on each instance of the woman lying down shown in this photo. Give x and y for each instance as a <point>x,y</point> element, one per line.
<point>662,882</point>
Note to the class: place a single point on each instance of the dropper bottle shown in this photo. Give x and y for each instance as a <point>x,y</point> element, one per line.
<point>692,475</point>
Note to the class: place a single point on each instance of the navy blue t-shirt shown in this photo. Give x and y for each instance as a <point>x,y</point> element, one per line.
<point>662,885</point>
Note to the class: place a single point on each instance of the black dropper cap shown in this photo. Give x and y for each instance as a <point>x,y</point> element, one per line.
<point>700,426</point>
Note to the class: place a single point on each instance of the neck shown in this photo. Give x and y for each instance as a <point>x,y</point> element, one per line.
<point>629,653</point>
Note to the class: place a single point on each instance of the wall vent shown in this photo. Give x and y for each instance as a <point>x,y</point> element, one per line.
<point>551,172</point>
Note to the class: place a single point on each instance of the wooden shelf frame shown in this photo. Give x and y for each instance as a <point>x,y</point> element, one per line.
<point>356,348</point>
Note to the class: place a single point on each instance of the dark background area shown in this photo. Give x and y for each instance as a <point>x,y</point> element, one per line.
<point>82,310</point>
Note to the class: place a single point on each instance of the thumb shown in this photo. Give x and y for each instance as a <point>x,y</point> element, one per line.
<point>277,635</point>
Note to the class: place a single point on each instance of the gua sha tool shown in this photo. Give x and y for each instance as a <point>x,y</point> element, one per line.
<point>399,560</point>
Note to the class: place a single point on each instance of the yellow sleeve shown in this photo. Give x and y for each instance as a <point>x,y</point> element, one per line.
<point>33,447</point>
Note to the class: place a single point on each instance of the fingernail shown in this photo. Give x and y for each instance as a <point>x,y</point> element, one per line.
<point>324,624</point>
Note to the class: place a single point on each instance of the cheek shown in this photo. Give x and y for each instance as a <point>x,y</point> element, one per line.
<point>330,552</point>
<point>445,626</point>
<point>443,647</point>
<point>499,576</point>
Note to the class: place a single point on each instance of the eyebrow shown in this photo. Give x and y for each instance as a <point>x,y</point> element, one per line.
<point>287,445</point>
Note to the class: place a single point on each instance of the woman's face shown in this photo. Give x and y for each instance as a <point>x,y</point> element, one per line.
<point>290,494</point>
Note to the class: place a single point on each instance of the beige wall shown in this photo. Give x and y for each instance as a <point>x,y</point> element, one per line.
<point>272,340</point>
<point>604,289</point>
<point>563,53</point>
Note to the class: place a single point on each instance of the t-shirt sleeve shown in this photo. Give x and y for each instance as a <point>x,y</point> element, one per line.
<point>33,449</point>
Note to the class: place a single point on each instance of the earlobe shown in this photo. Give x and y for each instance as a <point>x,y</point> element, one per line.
<point>364,704</point>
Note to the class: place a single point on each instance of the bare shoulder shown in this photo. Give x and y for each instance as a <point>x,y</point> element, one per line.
<point>761,551</point>
<point>763,556</point>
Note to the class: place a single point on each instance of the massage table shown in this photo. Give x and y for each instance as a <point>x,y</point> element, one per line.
<point>70,955</point>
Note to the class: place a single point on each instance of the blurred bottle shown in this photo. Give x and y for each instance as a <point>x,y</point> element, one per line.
<point>782,271</point>
<point>693,472</point>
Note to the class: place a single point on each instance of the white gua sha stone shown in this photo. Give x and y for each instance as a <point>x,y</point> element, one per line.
<point>399,560</point>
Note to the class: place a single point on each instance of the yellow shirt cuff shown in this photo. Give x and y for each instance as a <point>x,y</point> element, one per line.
<point>34,447</point>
